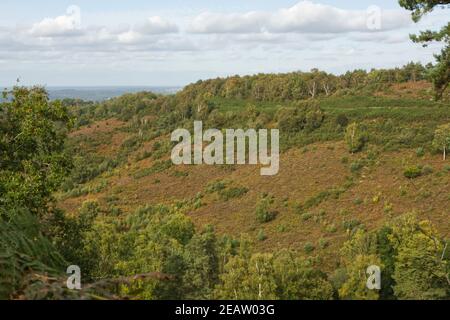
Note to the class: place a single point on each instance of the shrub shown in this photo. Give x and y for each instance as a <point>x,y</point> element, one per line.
<point>420,152</point>
<point>331,228</point>
<point>355,137</point>
<point>304,116</point>
<point>215,186</point>
<point>178,173</point>
<point>323,243</point>
<point>356,166</point>
<point>351,224</point>
<point>235,192</point>
<point>144,155</point>
<point>264,213</point>
<point>342,120</point>
<point>306,216</point>
<point>158,166</point>
<point>412,172</point>
<point>261,235</point>
<point>427,169</point>
<point>308,247</point>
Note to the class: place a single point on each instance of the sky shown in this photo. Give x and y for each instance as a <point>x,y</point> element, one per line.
<point>175,42</point>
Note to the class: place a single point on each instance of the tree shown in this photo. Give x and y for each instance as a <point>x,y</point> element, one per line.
<point>297,279</point>
<point>440,73</point>
<point>32,158</point>
<point>355,287</point>
<point>202,259</point>
<point>420,268</point>
<point>442,139</point>
<point>305,115</point>
<point>264,212</point>
<point>357,254</point>
<point>355,137</point>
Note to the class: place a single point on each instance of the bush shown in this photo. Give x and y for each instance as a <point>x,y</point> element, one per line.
<point>308,247</point>
<point>351,224</point>
<point>420,152</point>
<point>427,169</point>
<point>215,186</point>
<point>261,235</point>
<point>342,120</point>
<point>264,213</point>
<point>323,243</point>
<point>331,228</point>
<point>356,166</point>
<point>158,166</point>
<point>235,192</point>
<point>306,216</point>
<point>304,116</point>
<point>412,172</point>
<point>355,137</point>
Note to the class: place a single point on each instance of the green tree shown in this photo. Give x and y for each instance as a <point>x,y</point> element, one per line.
<point>297,279</point>
<point>355,137</point>
<point>440,73</point>
<point>264,209</point>
<point>159,236</point>
<point>357,254</point>
<point>441,140</point>
<point>420,268</point>
<point>305,115</point>
<point>32,158</point>
<point>202,260</point>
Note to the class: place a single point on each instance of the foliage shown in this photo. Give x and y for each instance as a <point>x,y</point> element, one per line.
<point>24,250</point>
<point>268,276</point>
<point>412,172</point>
<point>411,257</point>
<point>441,139</point>
<point>303,116</point>
<point>264,211</point>
<point>355,137</point>
<point>440,73</point>
<point>32,158</point>
<point>420,270</point>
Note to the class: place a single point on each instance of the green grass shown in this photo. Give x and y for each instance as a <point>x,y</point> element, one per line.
<point>225,104</point>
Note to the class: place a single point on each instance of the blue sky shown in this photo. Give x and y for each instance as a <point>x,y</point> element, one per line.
<point>174,42</point>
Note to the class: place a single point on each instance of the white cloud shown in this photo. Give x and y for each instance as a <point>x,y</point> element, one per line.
<point>304,17</point>
<point>157,25</point>
<point>65,25</point>
<point>208,22</point>
<point>129,37</point>
<point>305,35</point>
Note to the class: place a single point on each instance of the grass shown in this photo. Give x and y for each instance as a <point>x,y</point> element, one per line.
<point>158,166</point>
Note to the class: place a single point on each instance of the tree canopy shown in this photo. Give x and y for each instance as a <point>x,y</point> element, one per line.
<point>440,73</point>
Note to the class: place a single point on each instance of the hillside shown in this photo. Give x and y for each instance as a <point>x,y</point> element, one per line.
<point>362,183</point>
<point>322,191</point>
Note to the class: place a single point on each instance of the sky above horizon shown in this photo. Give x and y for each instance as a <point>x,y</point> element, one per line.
<point>175,42</point>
